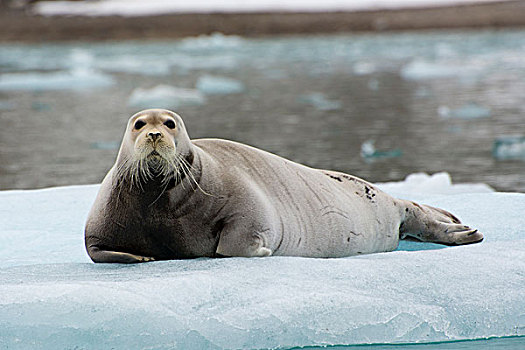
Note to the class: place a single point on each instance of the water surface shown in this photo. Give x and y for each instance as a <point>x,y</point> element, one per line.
<point>313,99</point>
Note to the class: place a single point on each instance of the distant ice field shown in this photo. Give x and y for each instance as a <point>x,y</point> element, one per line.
<point>53,297</point>
<point>132,8</point>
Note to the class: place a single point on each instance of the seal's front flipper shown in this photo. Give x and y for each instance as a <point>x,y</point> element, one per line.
<point>429,224</point>
<point>107,256</point>
<point>234,241</point>
<point>240,247</point>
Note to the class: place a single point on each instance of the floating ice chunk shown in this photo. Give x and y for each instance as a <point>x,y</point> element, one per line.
<point>319,101</point>
<point>444,111</point>
<point>444,50</point>
<point>469,111</point>
<point>165,96</point>
<point>370,153</point>
<point>364,68</point>
<point>422,70</point>
<point>47,57</point>
<point>439,183</point>
<point>509,147</point>
<point>130,64</point>
<point>215,85</point>
<point>373,84</point>
<point>80,59</point>
<point>77,79</point>
<point>212,42</point>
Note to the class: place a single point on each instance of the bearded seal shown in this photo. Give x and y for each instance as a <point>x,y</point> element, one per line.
<point>169,197</point>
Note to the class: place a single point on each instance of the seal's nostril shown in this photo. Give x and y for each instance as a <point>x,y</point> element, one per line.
<point>155,135</point>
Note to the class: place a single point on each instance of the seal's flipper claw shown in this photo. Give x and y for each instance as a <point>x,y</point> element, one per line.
<point>436,225</point>
<point>462,237</point>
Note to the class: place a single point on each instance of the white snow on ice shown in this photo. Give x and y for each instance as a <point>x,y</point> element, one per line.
<point>421,184</point>
<point>52,296</point>
<point>156,7</point>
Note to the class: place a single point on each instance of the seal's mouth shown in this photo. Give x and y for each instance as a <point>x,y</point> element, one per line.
<point>154,159</point>
<point>157,164</point>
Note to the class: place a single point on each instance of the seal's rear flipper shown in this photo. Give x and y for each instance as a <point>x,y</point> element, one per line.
<point>429,224</point>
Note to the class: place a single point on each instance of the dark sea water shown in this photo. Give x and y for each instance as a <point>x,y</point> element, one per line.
<point>431,102</point>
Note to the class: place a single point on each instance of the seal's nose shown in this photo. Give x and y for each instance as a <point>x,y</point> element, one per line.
<point>154,135</point>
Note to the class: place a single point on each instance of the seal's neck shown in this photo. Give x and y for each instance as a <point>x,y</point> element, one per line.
<point>185,172</point>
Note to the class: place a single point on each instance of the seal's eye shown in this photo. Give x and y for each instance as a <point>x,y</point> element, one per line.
<point>170,124</point>
<point>139,124</point>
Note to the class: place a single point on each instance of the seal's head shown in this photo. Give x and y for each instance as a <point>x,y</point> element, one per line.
<point>155,146</point>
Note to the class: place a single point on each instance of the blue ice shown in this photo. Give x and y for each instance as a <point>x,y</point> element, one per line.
<point>52,296</point>
<point>509,147</point>
<point>370,154</point>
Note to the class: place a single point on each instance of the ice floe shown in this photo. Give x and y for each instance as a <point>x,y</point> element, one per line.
<point>215,85</point>
<point>509,147</point>
<point>52,296</point>
<point>364,68</point>
<point>165,96</point>
<point>321,102</point>
<point>470,110</point>
<point>134,65</point>
<point>62,80</point>
<point>438,183</point>
<point>369,152</point>
<point>422,70</point>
